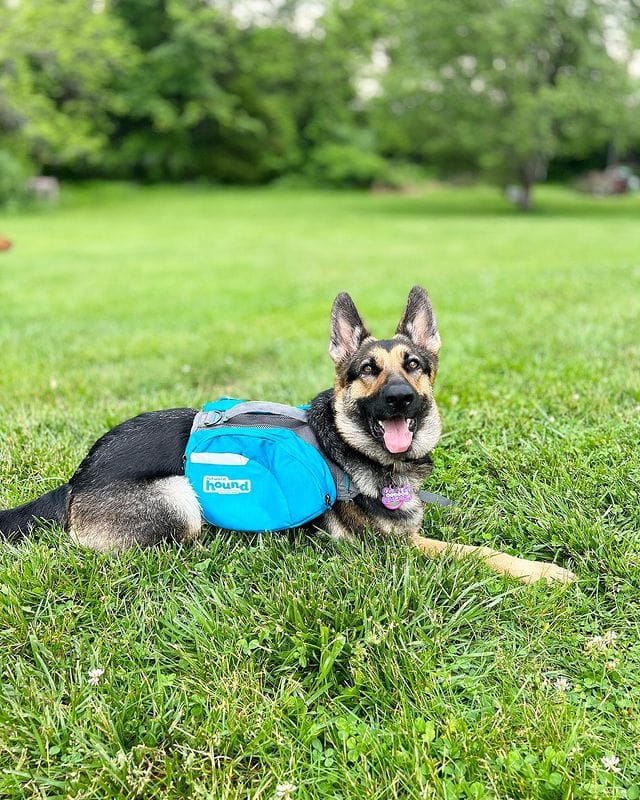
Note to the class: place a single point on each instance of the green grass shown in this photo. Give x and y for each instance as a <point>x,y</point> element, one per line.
<point>245,663</point>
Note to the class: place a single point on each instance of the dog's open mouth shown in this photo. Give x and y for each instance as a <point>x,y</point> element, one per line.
<point>396,433</point>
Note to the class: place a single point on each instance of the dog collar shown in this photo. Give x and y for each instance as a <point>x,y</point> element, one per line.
<point>394,497</point>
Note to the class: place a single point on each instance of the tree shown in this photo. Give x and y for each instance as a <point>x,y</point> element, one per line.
<point>193,107</point>
<point>182,89</point>
<point>508,85</point>
<point>58,60</point>
<point>232,95</point>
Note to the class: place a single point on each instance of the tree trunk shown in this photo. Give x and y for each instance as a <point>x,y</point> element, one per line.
<point>524,198</point>
<point>535,169</point>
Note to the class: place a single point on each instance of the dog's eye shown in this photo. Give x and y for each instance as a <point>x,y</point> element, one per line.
<point>412,364</point>
<point>366,369</point>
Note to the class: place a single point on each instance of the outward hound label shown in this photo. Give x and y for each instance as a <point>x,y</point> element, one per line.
<point>220,484</point>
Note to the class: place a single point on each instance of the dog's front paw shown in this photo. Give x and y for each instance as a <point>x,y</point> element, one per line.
<point>532,571</point>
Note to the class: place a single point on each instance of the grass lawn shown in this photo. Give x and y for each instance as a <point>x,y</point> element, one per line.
<point>246,663</point>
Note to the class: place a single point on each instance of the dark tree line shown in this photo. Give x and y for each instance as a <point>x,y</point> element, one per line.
<point>233,91</point>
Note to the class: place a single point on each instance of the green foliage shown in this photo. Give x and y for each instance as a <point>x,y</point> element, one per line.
<point>238,92</point>
<point>507,87</point>
<point>58,61</point>
<point>12,180</point>
<point>174,90</point>
<point>230,102</point>
<point>346,165</point>
<point>191,109</point>
<point>351,671</point>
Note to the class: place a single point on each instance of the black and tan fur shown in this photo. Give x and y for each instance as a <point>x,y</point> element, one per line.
<point>380,423</point>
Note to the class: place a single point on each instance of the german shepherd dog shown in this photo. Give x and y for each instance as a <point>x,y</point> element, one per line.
<point>379,423</point>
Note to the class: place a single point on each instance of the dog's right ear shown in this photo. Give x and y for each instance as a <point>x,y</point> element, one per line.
<point>347,329</point>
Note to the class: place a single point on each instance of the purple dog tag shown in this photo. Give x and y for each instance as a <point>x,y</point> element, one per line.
<point>393,497</point>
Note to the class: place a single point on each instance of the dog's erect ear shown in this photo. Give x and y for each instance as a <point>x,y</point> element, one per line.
<point>419,322</point>
<point>347,328</point>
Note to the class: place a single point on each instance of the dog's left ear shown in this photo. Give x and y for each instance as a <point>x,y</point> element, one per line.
<point>347,328</point>
<point>419,322</point>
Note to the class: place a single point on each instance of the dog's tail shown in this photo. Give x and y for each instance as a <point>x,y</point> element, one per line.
<point>15,523</point>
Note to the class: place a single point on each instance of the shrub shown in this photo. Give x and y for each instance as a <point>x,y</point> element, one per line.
<point>12,180</point>
<point>346,165</point>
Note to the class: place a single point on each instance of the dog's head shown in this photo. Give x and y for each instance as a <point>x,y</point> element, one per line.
<point>384,387</point>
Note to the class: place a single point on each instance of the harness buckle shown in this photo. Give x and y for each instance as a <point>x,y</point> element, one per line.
<point>212,418</point>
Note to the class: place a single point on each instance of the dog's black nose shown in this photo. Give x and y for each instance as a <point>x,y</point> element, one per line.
<point>398,397</point>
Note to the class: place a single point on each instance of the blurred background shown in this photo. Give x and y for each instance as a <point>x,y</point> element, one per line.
<point>347,93</point>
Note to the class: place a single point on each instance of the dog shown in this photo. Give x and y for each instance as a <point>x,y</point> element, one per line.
<point>379,423</point>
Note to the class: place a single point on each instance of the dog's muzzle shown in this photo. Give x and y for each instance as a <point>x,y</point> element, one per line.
<point>393,415</point>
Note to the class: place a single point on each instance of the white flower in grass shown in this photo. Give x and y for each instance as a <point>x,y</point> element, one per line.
<point>610,763</point>
<point>95,675</point>
<point>600,643</point>
<point>285,790</point>
<point>562,684</point>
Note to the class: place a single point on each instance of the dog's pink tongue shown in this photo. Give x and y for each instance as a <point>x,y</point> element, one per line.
<point>397,436</point>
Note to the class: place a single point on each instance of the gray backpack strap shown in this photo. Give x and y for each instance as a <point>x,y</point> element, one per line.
<point>258,407</point>
<point>345,488</point>
<point>208,419</point>
<point>434,499</point>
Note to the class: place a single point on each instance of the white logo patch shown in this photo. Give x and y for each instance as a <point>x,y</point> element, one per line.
<point>220,484</point>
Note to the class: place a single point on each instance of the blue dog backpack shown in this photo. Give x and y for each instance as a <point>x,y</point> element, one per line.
<point>258,467</point>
